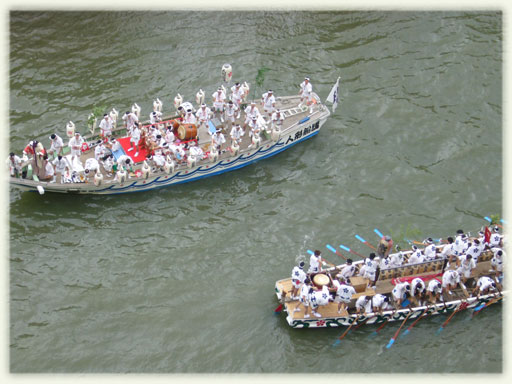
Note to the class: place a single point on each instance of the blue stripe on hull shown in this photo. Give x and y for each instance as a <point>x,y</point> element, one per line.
<point>166,183</point>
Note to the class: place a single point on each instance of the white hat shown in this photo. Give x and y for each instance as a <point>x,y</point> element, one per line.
<point>306,78</point>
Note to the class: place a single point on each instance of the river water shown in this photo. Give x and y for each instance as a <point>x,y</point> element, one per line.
<point>181,280</point>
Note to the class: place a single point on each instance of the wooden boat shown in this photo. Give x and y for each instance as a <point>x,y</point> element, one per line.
<point>301,122</point>
<point>386,280</point>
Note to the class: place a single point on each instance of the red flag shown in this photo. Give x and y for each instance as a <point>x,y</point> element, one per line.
<point>487,235</point>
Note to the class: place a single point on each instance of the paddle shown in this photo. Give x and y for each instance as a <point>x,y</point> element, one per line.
<point>364,242</point>
<point>346,332</point>
<point>482,306</point>
<point>415,321</point>
<point>351,251</point>
<point>462,306</point>
<point>392,340</point>
<point>490,221</point>
<point>279,308</point>
<point>504,221</point>
<point>332,249</point>
<point>374,333</point>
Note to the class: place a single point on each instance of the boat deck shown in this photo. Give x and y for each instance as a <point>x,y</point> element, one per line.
<point>382,287</point>
<point>288,106</point>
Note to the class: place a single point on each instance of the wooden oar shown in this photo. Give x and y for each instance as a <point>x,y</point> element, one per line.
<point>351,251</point>
<point>346,332</point>
<point>392,340</point>
<point>378,233</point>
<point>374,333</point>
<point>490,221</point>
<point>334,250</point>
<point>482,306</point>
<point>365,242</point>
<point>415,321</point>
<point>462,306</point>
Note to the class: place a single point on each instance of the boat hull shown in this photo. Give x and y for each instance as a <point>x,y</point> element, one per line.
<point>390,316</point>
<point>205,169</point>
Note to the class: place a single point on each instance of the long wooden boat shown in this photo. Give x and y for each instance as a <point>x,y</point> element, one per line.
<point>301,122</point>
<point>386,280</point>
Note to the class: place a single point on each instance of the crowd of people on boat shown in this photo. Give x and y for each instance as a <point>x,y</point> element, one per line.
<point>460,256</point>
<point>159,138</point>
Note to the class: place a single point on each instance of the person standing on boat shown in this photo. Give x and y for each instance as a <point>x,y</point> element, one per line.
<point>75,143</point>
<point>189,117</point>
<point>495,239</point>
<point>229,114</point>
<point>217,140</point>
<point>100,151</point>
<point>155,117</point>
<point>277,120</point>
<point>318,299</point>
<point>218,102</point>
<point>298,278</point>
<point>315,262</point>
<point>400,292</point>
<point>237,94</point>
<point>380,303</point>
<point>385,246</point>
<point>169,135</point>
<point>49,171</point>
<point>14,164</point>
<point>385,263</point>
<point>465,264</point>
<point>304,297</point>
<point>448,251</point>
<point>268,102</point>
<point>106,126</point>
<point>497,262</point>
<point>57,145</point>
<point>344,293</point>
<point>130,119</point>
<point>369,269</point>
<point>430,250</point>
<point>254,127</point>
<point>417,290</point>
<point>134,139</point>
<point>306,89</point>
<point>108,164</point>
<point>236,134</point>
<point>203,115</point>
<point>460,245</point>
<point>474,250</point>
<point>434,289</point>
<point>251,112</point>
<point>60,164</point>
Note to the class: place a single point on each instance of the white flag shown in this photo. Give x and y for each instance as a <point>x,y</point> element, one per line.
<point>333,96</point>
